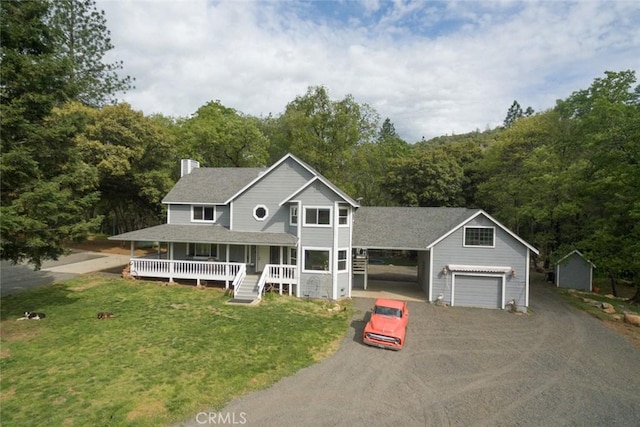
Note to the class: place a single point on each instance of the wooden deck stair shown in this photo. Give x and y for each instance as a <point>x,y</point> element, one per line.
<point>248,289</point>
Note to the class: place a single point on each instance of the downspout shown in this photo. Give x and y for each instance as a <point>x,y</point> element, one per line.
<point>334,267</point>
<point>526,279</point>
<point>431,252</point>
<point>299,259</point>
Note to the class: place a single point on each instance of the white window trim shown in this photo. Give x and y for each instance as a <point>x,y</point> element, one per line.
<point>256,217</point>
<point>348,216</point>
<point>304,219</point>
<point>346,260</point>
<point>313,248</point>
<point>297,215</point>
<point>203,220</point>
<point>464,237</point>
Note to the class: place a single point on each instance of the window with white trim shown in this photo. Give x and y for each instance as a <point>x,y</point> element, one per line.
<point>203,213</point>
<point>202,250</point>
<point>317,259</point>
<point>342,260</point>
<point>343,216</point>
<point>293,256</point>
<point>317,216</point>
<point>479,237</point>
<point>260,212</point>
<point>293,215</point>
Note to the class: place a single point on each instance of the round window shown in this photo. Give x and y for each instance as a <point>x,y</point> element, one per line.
<point>260,212</point>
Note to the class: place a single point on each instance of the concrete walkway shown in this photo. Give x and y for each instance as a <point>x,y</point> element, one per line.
<point>16,278</point>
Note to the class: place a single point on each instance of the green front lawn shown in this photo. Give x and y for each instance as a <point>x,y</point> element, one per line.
<point>169,352</point>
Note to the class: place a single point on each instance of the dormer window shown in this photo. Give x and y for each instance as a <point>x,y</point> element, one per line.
<point>203,213</point>
<point>479,237</point>
<point>260,212</point>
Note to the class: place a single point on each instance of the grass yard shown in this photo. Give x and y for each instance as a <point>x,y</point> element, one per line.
<point>169,352</point>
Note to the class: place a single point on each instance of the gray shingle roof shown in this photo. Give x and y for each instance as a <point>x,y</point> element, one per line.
<point>404,228</point>
<point>205,234</point>
<point>211,185</point>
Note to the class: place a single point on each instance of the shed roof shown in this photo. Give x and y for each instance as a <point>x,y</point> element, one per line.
<point>578,253</point>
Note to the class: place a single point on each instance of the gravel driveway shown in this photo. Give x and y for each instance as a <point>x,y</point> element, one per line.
<point>461,366</point>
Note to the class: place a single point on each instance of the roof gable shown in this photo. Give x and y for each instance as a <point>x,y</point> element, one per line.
<point>490,218</point>
<point>316,175</point>
<point>578,253</point>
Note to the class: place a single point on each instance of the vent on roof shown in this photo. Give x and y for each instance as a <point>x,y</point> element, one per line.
<point>187,165</point>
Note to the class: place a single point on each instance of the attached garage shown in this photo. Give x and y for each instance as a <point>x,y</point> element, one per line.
<point>478,286</point>
<point>477,291</point>
<point>465,257</point>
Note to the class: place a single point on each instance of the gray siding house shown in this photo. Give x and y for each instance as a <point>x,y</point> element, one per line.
<point>287,227</point>
<point>574,271</point>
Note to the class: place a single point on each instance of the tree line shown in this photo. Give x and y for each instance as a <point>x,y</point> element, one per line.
<point>76,161</point>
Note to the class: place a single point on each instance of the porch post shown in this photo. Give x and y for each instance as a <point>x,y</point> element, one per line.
<point>171,262</point>
<point>133,249</point>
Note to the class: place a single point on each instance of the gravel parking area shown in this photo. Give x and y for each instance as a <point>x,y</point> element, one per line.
<point>461,366</point>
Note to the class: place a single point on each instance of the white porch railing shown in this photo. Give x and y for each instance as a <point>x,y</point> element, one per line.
<point>182,269</point>
<point>237,281</point>
<point>277,274</point>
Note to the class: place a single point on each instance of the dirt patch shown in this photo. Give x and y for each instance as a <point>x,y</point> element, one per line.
<point>630,332</point>
<point>147,409</point>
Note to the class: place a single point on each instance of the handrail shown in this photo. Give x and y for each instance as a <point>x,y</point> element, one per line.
<point>240,275</point>
<point>262,281</point>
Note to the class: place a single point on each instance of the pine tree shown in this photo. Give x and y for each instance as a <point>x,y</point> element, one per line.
<point>82,40</point>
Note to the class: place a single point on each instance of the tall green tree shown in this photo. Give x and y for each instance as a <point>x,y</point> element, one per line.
<point>515,112</point>
<point>46,187</point>
<point>325,133</point>
<point>370,166</point>
<point>82,40</point>
<point>135,157</point>
<point>220,136</point>
<point>426,178</point>
<point>606,118</point>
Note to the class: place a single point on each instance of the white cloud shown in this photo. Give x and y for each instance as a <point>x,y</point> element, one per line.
<point>432,68</point>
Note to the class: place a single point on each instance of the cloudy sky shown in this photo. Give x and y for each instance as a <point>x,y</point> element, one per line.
<point>432,67</point>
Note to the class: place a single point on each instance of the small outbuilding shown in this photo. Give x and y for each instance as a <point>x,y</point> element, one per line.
<point>574,271</point>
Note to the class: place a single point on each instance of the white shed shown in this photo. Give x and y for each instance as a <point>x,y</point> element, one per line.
<point>574,271</point>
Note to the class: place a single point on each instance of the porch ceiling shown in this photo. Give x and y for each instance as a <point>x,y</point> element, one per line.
<point>205,234</point>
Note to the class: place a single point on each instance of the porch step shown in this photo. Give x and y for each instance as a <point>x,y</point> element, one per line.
<point>248,289</point>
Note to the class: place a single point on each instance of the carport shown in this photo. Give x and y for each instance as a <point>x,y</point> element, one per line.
<point>397,229</point>
<point>464,256</point>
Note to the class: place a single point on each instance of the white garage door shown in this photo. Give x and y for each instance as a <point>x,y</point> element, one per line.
<point>478,291</point>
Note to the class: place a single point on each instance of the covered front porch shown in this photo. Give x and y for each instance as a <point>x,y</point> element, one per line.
<point>281,277</point>
<point>247,263</point>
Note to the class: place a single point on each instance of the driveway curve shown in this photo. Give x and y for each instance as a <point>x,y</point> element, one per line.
<point>461,366</point>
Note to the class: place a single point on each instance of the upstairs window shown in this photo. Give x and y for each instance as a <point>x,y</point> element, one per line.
<point>343,216</point>
<point>479,237</point>
<point>203,213</point>
<point>293,215</point>
<point>317,216</point>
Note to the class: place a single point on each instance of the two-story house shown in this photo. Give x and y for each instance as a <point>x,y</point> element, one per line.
<point>288,226</point>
